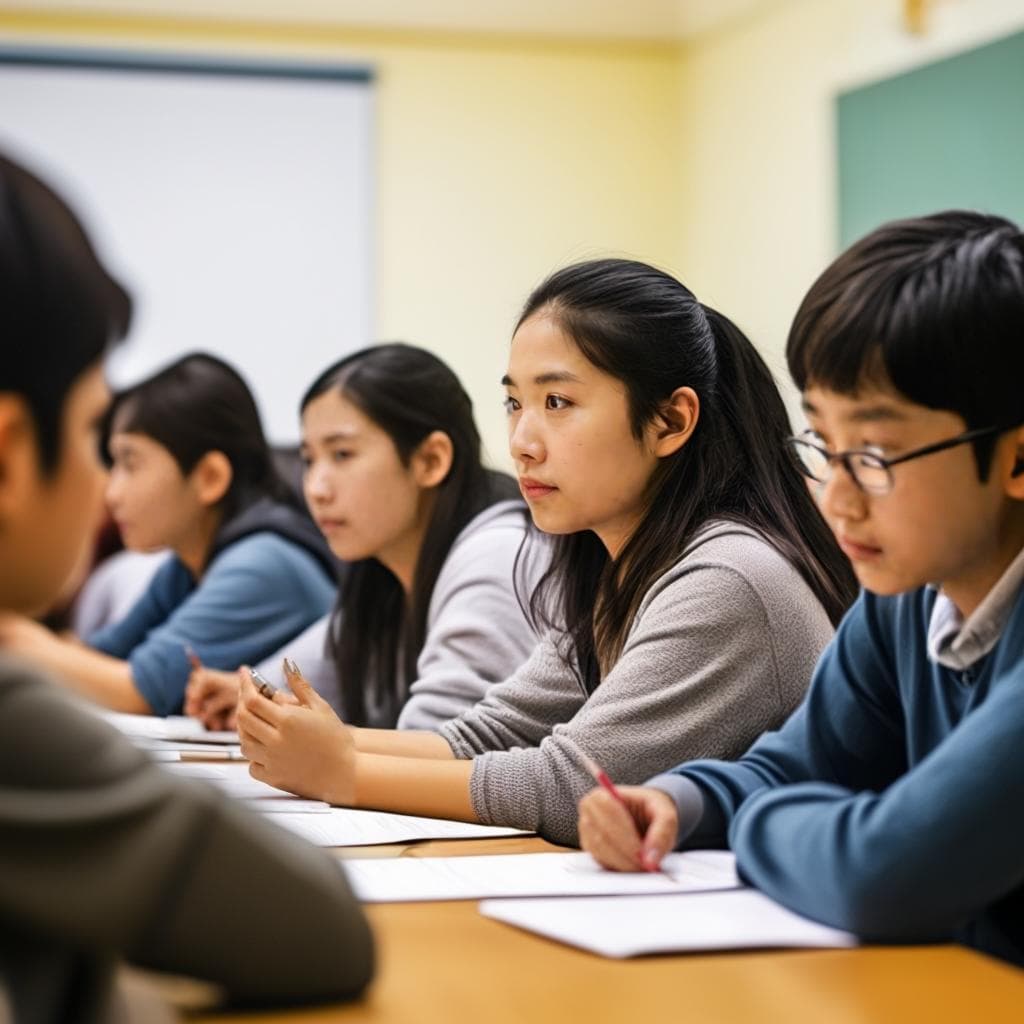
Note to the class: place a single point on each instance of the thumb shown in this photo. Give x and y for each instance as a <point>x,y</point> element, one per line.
<point>660,837</point>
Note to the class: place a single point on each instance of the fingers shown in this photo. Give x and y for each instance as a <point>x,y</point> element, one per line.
<point>662,828</point>
<point>252,703</point>
<point>300,687</point>
<point>210,696</point>
<point>608,832</point>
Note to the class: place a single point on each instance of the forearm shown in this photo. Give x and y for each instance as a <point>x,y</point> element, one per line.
<point>434,789</point>
<point>402,743</point>
<point>95,675</point>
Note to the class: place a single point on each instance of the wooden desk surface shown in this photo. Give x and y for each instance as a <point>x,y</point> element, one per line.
<point>442,962</point>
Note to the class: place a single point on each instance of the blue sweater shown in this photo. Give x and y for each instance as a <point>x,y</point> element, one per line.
<point>256,595</point>
<point>891,803</point>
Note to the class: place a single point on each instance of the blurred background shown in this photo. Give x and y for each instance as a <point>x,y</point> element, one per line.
<point>435,159</point>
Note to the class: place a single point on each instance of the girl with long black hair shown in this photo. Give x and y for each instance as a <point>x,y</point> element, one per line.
<point>693,583</point>
<point>427,616</point>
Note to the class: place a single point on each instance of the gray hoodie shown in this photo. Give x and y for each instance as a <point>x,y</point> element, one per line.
<point>477,633</point>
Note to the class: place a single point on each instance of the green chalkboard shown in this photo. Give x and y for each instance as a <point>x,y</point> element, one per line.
<point>949,134</point>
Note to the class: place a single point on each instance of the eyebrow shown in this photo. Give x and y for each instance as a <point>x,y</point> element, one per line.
<point>869,414</point>
<point>552,377</point>
<point>337,435</point>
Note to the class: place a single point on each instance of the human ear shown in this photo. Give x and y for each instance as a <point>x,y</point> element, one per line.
<point>211,477</point>
<point>675,422</point>
<point>1015,480</point>
<point>433,459</point>
<point>19,457</point>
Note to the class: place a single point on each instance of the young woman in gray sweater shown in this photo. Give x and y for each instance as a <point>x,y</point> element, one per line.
<point>692,587</point>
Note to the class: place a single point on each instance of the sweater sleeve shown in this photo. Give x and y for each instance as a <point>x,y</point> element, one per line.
<point>254,597</point>
<point>700,675</point>
<point>893,855</point>
<point>477,634</point>
<point>102,850</point>
<point>848,731</point>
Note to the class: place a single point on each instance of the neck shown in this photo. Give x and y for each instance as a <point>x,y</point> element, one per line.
<point>194,549</point>
<point>968,591</point>
<point>402,556</point>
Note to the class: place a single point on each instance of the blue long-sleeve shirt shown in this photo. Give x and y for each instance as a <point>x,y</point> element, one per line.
<point>891,803</point>
<point>254,597</point>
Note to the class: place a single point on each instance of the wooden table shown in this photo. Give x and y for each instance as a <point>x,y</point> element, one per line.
<point>443,962</point>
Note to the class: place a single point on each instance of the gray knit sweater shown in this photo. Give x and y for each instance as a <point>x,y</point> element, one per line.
<point>721,649</point>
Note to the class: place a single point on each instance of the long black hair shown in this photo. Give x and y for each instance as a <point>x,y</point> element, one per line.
<point>199,404</point>
<point>647,330</point>
<point>376,635</point>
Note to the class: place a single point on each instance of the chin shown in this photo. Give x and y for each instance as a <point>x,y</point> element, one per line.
<point>887,584</point>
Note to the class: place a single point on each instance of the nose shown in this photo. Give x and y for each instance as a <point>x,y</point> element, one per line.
<point>840,497</point>
<point>524,440</point>
<point>317,483</point>
<point>112,489</point>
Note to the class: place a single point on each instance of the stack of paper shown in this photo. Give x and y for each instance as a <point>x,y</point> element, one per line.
<point>634,925</point>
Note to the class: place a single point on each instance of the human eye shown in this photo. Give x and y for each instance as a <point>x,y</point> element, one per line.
<point>556,403</point>
<point>340,454</point>
<point>511,404</point>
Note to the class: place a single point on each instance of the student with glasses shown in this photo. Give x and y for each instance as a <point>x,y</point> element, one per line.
<point>890,802</point>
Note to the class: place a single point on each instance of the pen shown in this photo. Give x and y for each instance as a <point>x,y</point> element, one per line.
<point>601,778</point>
<point>193,658</point>
<point>266,689</point>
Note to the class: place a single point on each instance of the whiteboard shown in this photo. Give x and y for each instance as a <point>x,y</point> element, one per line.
<point>234,201</point>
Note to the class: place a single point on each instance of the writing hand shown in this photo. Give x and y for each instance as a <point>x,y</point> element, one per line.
<point>633,834</point>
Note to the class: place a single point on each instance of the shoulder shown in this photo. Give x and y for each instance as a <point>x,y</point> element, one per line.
<point>265,552</point>
<point>488,542</point>
<point>730,571</point>
<point>49,738</point>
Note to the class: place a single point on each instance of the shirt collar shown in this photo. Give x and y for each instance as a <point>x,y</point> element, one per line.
<point>957,643</point>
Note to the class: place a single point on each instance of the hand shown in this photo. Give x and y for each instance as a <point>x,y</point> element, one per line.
<point>24,636</point>
<point>301,746</point>
<point>632,835</point>
<point>212,697</point>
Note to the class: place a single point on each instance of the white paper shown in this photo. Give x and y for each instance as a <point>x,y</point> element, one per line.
<point>174,727</point>
<point>634,925</point>
<point>292,805</point>
<point>344,826</point>
<point>533,874</point>
<point>233,779</point>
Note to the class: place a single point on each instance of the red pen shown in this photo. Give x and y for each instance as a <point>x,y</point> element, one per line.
<point>601,778</point>
<point>193,658</point>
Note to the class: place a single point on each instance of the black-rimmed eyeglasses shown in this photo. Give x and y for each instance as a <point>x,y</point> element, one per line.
<point>871,472</point>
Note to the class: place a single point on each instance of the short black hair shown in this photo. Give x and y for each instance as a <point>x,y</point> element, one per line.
<point>934,307</point>
<point>59,307</point>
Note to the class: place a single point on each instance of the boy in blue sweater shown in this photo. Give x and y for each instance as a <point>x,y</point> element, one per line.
<point>890,803</point>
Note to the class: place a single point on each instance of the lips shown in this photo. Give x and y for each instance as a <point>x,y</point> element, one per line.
<point>534,488</point>
<point>857,551</point>
<point>329,525</point>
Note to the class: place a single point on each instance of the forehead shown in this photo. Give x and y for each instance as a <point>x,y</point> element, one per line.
<point>541,346</point>
<point>332,413</point>
<point>869,404</point>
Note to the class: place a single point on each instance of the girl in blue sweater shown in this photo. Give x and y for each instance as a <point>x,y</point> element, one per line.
<point>890,802</point>
<point>191,471</point>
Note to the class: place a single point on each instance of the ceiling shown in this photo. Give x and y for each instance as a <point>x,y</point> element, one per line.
<point>583,19</point>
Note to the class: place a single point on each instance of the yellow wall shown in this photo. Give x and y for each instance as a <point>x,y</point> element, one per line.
<point>759,215</point>
<point>499,159</point>
<point>496,163</point>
